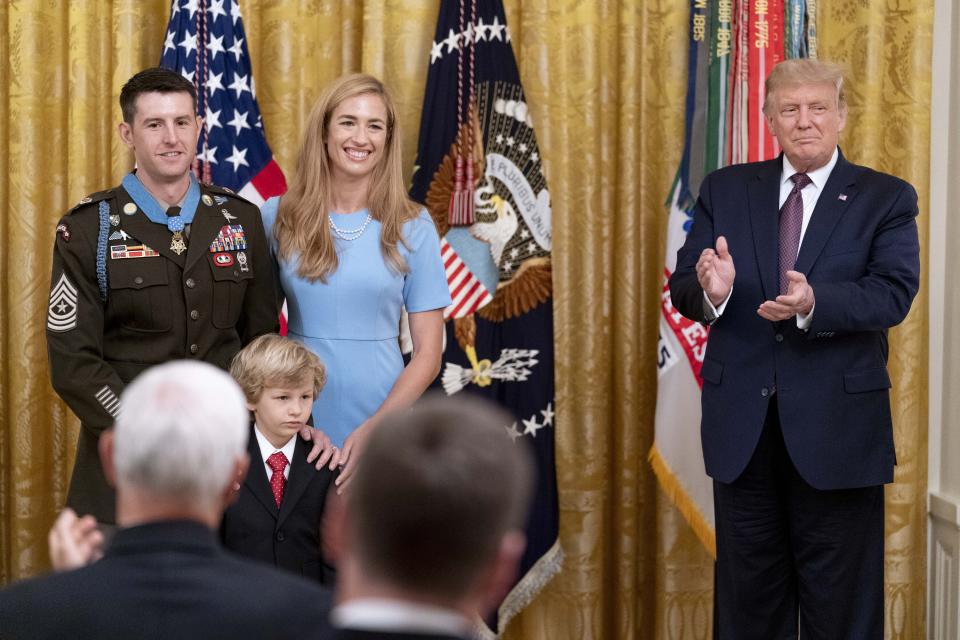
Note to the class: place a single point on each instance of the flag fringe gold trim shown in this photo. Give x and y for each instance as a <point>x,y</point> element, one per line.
<point>523,593</point>
<point>679,497</point>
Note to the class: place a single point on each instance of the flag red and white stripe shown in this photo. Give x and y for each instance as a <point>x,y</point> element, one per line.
<point>466,290</point>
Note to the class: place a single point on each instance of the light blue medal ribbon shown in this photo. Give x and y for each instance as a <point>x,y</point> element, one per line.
<point>152,209</point>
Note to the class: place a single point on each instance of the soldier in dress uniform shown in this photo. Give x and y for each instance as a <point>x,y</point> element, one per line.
<point>158,268</point>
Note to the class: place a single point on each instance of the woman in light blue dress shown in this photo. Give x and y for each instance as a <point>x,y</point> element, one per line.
<point>352,249</point>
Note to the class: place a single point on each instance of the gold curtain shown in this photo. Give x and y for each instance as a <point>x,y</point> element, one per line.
<point>605,83</point>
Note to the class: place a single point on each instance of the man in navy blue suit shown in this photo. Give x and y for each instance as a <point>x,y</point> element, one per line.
<point>800,265</point>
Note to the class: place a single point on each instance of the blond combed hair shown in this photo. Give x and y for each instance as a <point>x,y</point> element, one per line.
<point>301,229</point>
<point>797,71</point>
<point>275,361</point>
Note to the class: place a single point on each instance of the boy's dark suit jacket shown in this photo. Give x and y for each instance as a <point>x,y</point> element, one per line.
<point>288,537</point>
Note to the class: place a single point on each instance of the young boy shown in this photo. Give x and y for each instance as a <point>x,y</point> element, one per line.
<point>276,517</point>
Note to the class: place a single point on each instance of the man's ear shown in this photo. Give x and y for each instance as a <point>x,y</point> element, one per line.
<point>105,447</point>
<point>232,491</point>
<point>126,134</point>
<point>502,571</point>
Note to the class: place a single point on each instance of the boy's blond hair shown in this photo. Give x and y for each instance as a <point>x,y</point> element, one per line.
<point>275,361</point>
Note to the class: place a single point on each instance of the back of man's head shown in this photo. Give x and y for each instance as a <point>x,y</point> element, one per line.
<point>181,430</point>
<point>436,491</point>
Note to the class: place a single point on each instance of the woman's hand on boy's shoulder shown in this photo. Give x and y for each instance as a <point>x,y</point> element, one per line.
<point>323,450</point>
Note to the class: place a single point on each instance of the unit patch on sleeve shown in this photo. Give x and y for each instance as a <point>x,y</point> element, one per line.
<point>62,310</point>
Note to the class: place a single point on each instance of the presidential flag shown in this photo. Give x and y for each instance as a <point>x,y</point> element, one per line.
<point>479,173</point>
<point>733,45</point>
<point>206,43</point>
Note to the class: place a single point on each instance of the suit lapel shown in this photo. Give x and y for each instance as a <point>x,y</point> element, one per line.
<point>139,227</point>
<point>257,480</point>
<point>301,473</point>
<point>206,225</point>
<point>763,196</point>
<point>838,193</point>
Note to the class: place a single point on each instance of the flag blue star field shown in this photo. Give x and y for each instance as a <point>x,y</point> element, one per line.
<point>206,43</point>
<point>479,174</point>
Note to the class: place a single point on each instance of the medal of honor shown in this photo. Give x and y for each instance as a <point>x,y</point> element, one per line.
<point>175,225</point>
<point>177,245</point>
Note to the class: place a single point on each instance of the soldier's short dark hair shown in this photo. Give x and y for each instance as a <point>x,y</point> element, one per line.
<point>435,491</point>
<point>157,80</point>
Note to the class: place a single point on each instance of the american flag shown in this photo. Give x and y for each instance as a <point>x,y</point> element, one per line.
<point>206,43</point>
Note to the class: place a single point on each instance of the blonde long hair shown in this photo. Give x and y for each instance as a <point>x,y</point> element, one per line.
<point>301,229</point>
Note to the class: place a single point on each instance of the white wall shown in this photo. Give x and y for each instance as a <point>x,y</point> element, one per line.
<point>944,296</point>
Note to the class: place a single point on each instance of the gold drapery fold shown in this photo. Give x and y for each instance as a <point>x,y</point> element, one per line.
<point>605,84</point>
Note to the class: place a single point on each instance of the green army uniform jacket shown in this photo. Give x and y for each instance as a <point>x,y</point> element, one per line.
<point>145,304</point>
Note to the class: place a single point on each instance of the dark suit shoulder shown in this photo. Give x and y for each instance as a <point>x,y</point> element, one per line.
<point>260,587</point>
<point>283,585</point>
<point>879,179</point>
<point>745,171</point>
<point>300,454</point>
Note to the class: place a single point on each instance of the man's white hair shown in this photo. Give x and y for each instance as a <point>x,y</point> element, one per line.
<point>181,428</point>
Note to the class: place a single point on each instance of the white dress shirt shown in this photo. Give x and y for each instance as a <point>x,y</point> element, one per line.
<point>267,450</point>
<point>383,614</point>
<point>809,194</point>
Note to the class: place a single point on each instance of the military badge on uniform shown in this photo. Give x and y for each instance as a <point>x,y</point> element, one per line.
<point>176,225</point>
<point>228,216</point>
<point>177,244</point>
<point>119,235</point>
<point>114,220</point>
<point>130,208</point>
<point>220,199</point>
<point>62,309</point>
<point>207,200</point>
<point>122,251</point>
<point>108,400</point>
<point>230,238</point>
<point>223,259</point>
<point>63,232</point>
<point>242,261</point>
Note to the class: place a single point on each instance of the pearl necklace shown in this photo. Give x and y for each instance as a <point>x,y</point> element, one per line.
<point>349,234</point>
